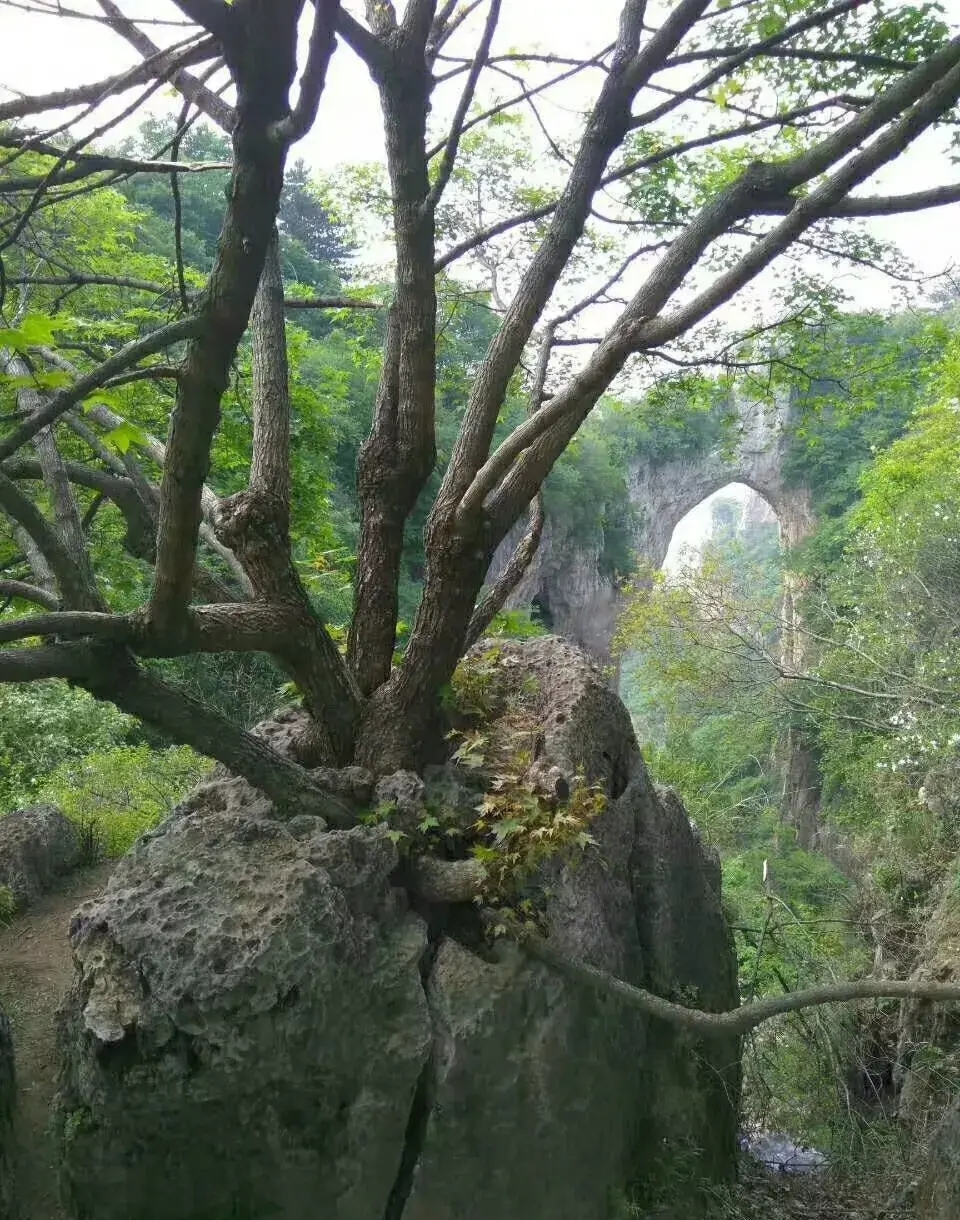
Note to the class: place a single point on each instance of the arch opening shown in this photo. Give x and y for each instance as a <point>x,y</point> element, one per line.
<point>735,510</point>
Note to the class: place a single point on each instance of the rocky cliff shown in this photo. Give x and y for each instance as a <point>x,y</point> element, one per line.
<point>264,1023</point>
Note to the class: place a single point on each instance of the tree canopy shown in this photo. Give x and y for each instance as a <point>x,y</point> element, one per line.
<point>182,307</point>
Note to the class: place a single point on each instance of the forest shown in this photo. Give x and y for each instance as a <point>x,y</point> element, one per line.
<point>321,477</point>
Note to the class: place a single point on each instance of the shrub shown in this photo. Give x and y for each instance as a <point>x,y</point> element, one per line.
<point>124,791</point>
<point>45,724</point>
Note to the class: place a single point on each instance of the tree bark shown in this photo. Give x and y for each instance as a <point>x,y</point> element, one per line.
<point>398,456</point>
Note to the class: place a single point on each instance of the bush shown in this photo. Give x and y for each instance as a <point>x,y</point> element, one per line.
<point>124,791</point>
<point>45,724</point>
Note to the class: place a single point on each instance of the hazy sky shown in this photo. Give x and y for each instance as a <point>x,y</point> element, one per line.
<point>40,53</point>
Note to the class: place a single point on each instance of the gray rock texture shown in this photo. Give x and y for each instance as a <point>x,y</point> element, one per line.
<point>37,845</point>
<point>8,1209</point>
<point>263,1025</point>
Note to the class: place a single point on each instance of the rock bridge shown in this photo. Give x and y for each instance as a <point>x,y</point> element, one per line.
<point>573,595</point>
<point>565,583</point>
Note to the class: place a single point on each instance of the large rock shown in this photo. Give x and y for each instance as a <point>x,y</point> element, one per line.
<point>37,845</point>
<point>7,1100</point>
<point>939,1195</point>
<point>262,1025</point>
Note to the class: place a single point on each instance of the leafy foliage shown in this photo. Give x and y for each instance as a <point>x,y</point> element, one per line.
<point>124,791</point>
<point>44,725</point>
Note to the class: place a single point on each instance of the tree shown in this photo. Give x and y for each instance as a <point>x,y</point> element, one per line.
<point>720,140</point>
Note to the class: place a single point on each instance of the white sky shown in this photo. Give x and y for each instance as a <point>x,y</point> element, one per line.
<point>40,53</point>
<point>43,53</point>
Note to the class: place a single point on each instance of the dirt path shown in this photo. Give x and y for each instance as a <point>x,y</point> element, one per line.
<point>35,972</point>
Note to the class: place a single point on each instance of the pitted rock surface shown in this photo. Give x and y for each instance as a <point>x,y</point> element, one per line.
<point>37,845</point>
<point>248,1021</point>
<point>261,1022</point>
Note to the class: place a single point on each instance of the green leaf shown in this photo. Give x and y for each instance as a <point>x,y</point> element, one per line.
<point>124,436</point>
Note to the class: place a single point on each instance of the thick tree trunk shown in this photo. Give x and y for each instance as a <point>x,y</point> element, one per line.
<point>403,724</point>
<point>398,456</point>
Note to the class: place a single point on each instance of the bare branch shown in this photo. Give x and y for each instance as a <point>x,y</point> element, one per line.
<point>936,84</point>
<point>629,70</point>
<point>466,97</point>
<point>256,525</point>
<point>87,164</point>
<point>322,40</point>
<point>161,63</point>
<point>737,1021</point>
<point>204,99</point>
<point>223,313</point>
<point>362,41</point>
<point>875,205</point>
<point>74,588</point>
<point>516,568</point>
<point>329,303</point>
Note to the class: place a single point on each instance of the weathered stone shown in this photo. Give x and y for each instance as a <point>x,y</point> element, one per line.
<point>37,845</point>
<point>261,1024</point>
<point>939,1195</point>
<point>567,581</point>
<point>352,783</point>
<point>247,1029</point>
<point>7,1101</point>
<point>402,791</point>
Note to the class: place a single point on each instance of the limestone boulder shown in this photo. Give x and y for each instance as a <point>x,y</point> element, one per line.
<point>247,1029</point>
<point>7,1101</point>
<point>264,1024</point>
<point>37,845</point>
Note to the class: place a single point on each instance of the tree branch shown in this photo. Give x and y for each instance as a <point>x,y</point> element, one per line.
<point>738,1021</point>
<point>329,303</point>
<point>29,593</point>
<point>213,15</point>
<point>629,70</point>
<point>322,42</point>
<point>204,99</point>
<point>493,601</point>
<point>74,588</point>
<point>223,313</point>
<point>256,525</point>
<point>158,64</point>
<point>67,398</point>
<point>918,98</point>
<point>457,126</point>
<point>365,44</point>
<point>399,454</point>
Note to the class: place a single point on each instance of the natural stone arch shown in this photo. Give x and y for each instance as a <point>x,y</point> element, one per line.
<point>565,581</point>
<point>579,601</point>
